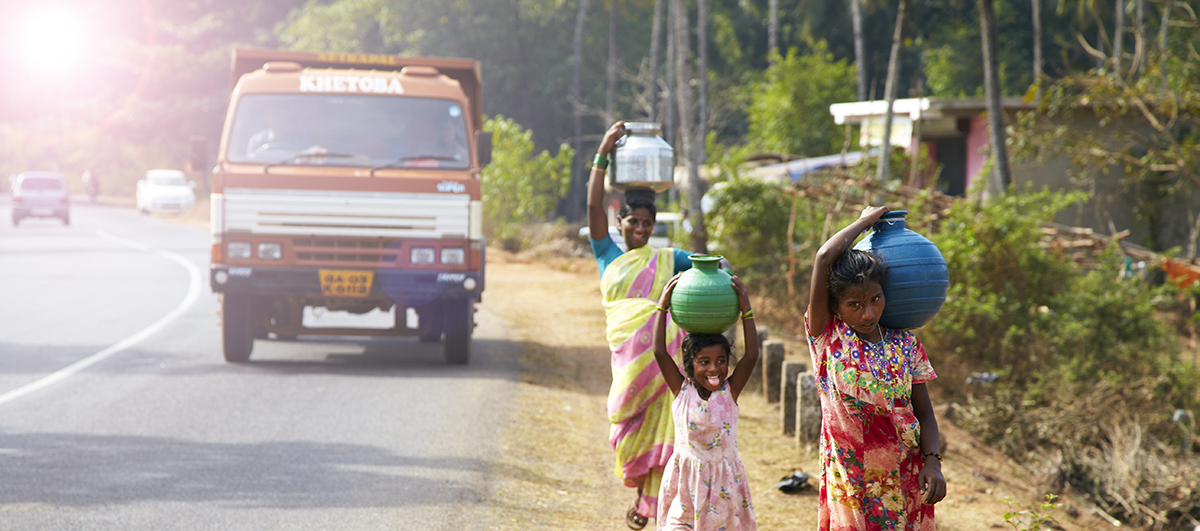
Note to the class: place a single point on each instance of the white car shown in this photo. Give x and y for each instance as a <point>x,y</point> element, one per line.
<point>165,190</point>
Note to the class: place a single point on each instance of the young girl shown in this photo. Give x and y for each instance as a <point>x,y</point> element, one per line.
<point>704,487</point>
<point>880,468</point>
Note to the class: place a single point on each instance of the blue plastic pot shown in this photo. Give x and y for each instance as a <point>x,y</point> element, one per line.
<point>916,286</point>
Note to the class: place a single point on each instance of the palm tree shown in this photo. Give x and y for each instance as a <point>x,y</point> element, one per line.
<point>893,77</point>
<point>702,73</point>
<point>573,209</point>
<point>772,26</point>
<point>860,58</point>
<point>683,79</point>
<point>1037,46</point>
<point>991,85</point>
<point>611,71</point>
<point>655,38</point>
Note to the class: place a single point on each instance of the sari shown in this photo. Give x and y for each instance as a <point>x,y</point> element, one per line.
<point>639,404</point>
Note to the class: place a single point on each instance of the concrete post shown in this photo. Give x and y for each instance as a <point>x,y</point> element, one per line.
<point>787,394</point>
<point>772,363</point>
<point>808,411</point>
<point>756,376</point>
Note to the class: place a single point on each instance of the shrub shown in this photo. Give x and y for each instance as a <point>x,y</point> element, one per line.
<point>518,186</point>
<point>789,112</point>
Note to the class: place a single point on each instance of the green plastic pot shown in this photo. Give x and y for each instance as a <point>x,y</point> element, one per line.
<point>704,301</point>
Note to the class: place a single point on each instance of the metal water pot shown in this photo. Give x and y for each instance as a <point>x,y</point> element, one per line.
<point>642,160</point>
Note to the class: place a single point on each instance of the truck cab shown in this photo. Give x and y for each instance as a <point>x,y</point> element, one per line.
<point>349,182</point>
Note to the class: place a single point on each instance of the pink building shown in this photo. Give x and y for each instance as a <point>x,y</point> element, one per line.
<point>952,131</point>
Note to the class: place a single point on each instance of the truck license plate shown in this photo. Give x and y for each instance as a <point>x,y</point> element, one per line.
<point>346,283</point>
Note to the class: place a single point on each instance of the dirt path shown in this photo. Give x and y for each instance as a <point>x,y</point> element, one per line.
<point>557,471</point>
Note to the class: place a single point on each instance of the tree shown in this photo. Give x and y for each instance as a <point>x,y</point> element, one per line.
<point>885,147</point>
<point>519,186</point>
<point>655,38</point>
<point>1142,128</point>
<point>611,71</point>
<point>991,82</point>
<point>691,151</point>
<point>860,52</point>
<point>772,27</point>
<point>1036,6</point>
<point>789,109</point>
<point>574,206</point>
<point>702,73</point>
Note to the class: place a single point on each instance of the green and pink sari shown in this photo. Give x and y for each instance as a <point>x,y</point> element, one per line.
<point>639,404</point>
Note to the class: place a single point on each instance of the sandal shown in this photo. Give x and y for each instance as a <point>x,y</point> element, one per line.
<point>635,520</point>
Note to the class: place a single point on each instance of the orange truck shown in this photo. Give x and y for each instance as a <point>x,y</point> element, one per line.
<point>349,182</point>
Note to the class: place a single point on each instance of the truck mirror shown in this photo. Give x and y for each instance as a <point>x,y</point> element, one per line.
<point>483,147</point>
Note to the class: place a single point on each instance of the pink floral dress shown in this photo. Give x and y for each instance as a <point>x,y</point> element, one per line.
<point>870,453</point>
<point>704,486</point>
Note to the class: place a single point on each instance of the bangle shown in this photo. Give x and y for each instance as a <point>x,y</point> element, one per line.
<point>926,455</point>
<point>660,308</point>
<point>748,315</point>
<point>600,161</point>
<point>596,167</point>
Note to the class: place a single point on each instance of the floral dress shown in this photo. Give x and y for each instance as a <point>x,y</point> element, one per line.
<point>870,453</point>
<point>704,487</point>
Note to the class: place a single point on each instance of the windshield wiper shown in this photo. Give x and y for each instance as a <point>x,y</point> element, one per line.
<point>414,157</point>
<point>304,155</point>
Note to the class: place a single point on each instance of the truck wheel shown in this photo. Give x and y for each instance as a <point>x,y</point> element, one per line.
<point>459,323</point>
<point>431,321</point>
<point>237,334</point>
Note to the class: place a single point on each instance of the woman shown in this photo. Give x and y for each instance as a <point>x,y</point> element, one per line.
<point>639,406</point>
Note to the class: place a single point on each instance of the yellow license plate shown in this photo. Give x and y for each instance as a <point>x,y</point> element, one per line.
<point>346,283</point>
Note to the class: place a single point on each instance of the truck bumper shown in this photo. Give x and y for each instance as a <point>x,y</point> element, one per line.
<point>407,288</point>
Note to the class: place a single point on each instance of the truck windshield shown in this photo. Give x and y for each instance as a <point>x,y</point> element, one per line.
<point>348,130</point>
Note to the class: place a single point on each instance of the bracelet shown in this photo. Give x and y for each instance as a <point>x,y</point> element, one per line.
<point>748,315</point>
<point>660,308</point>
<point>600,161</point>
<point>598,168</point>
<point>926,455</point>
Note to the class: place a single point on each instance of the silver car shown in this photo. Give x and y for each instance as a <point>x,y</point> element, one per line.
<point>40,194</point>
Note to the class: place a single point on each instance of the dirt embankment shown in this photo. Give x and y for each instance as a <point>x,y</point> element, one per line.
<point>557,469</point>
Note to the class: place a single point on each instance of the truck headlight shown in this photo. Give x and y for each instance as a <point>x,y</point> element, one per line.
<point>453,256</point>
<point>238,250</point>
<point>422,255</point>
<point>270,251</point>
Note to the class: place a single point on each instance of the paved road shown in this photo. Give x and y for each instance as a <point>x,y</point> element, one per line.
<point>117,410</point>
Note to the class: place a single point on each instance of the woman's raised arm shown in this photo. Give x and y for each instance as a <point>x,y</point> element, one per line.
<point>597,218</point>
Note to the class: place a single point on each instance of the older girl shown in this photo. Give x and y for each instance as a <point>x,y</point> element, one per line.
<point>880,466</point>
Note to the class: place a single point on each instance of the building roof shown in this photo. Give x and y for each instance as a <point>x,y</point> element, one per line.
<point>919,108</point>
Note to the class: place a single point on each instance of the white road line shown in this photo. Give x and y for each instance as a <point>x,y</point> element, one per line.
<point>70,370</point>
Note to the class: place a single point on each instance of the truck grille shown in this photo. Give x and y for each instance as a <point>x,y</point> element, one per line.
<point>319,251</point>
<point>317,213</point>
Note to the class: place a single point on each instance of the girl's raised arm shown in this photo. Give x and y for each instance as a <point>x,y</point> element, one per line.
<point>597,218</point>
<point>666,365</point>
<point>745,367</point>
<point>818,293</point>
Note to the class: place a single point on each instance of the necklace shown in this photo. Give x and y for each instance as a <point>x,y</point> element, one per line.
<point>876,348</point>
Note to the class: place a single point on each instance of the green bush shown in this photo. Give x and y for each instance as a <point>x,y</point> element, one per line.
<point>518,186</point>
<point>789,112</point>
